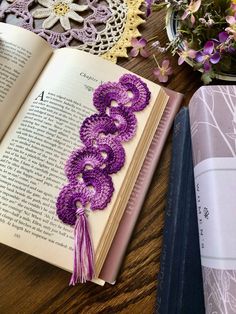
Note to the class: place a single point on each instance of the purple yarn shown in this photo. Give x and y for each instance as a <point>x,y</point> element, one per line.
<point>67,199</point>
<point>114,151</point>
<point>85,33</point>
<point>102,187</point>
<point>141,94</point>
<point>94,126</point>
<point>83,251</point>
<point>103,152</point>
<point>81,159</point>
<point>125,122</point>
<point>108,92</point>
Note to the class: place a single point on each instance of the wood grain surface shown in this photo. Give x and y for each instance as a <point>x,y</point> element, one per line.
<point>28,285</point>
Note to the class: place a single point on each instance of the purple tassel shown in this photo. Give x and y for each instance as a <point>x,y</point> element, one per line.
<point>83,251</point>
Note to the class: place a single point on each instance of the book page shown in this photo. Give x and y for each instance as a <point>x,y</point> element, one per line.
<point>22,57</point>
<point>36,147</point>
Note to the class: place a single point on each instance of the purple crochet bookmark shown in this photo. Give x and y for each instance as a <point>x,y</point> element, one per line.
<point>89,168</point>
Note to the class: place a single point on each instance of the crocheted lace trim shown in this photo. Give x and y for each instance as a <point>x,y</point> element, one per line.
<point>89,169</point>
<point>104,29</point>
<point>130,31</point>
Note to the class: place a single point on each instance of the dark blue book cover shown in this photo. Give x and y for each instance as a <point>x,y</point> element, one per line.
<point>180,286</point>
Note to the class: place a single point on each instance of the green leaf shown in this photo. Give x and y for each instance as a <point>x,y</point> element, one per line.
<point>206,78</point>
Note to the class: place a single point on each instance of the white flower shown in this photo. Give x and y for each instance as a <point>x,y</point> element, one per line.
<point>62,10</point>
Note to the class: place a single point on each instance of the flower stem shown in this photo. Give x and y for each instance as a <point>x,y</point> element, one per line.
<point>155,59</point>
<point>152,38</point>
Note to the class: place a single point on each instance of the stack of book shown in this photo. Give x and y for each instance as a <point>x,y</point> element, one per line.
<point>199,256</point>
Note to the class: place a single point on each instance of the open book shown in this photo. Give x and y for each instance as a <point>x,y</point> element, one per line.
<point>44,97</point>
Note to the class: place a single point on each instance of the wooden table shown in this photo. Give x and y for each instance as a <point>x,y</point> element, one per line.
<point>28,285</point>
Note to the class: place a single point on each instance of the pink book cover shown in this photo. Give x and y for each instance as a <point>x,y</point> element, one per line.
<point>117,251</point>
<point>212,112</point>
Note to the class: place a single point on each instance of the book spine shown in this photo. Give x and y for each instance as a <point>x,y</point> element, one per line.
<point>180,260</point>
<point>116,253</point>
<point>171,218</point>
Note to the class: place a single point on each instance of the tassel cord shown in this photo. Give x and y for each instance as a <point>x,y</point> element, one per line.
<point>83,250</point>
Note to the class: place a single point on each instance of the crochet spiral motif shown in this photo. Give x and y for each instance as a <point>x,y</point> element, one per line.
<point>89,168</point>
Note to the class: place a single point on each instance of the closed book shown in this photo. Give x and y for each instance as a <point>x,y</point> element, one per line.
<point>213,129</point>
<point>180,287</point>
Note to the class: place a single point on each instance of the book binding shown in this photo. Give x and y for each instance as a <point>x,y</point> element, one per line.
<point>180,279</point>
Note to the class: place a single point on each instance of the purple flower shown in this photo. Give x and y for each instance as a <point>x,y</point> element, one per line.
<point>207,56</point>
<point>231,29</point>
<point>139,47</point>
<point>148,7</point>
<point>186,54</point>
<point>223,36</point>
<point>192,8</point>
<point>163,71</point>
<point>224,43</point>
